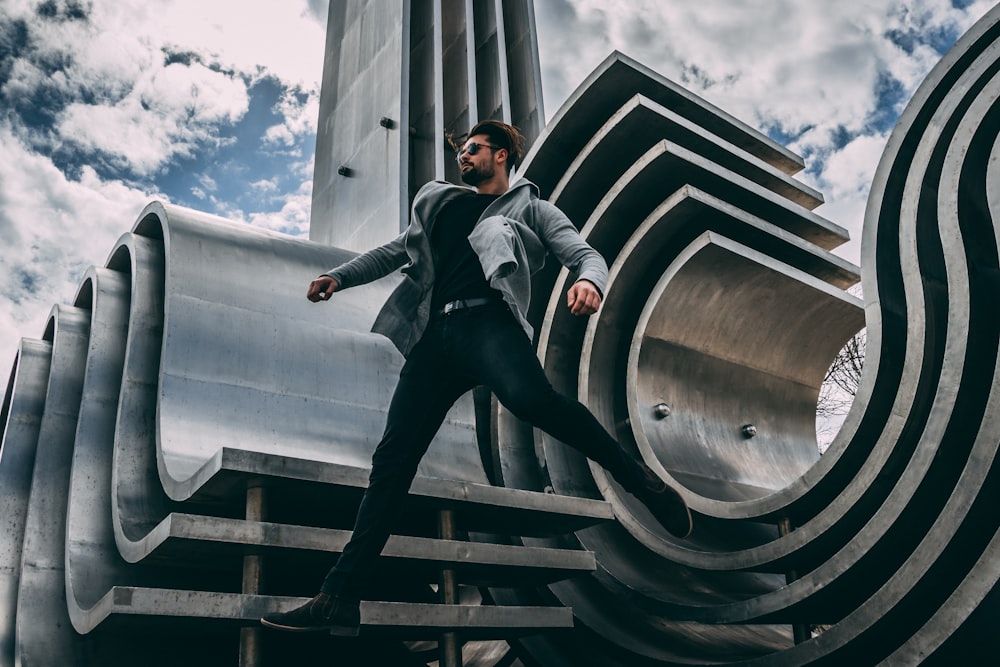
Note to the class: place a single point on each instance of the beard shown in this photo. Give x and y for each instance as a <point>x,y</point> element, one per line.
<point>475,175</point>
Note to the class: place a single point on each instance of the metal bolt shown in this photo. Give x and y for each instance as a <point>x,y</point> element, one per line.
<point>345,171</point>
<point>387,122</point>
<point>749,430</point>
<point>661,410</point>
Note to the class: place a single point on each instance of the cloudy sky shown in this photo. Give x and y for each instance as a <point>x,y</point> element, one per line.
<point>212,104</point>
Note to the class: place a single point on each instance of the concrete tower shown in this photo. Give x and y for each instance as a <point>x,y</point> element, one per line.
<point>399,76</point>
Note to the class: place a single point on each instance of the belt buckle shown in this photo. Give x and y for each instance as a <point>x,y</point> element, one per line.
<point>452,306</point>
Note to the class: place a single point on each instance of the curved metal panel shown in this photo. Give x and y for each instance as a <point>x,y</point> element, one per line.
<point>854,555</point>
<point>637,126</point>
<point>251,366</point>
<point>138,501</point>
<point>91,562</point>
<point>752,368</point>
<point>21,419</point>
<point>973,599</point>
<point>44,634</point>
<point>606,90</point>
<point>961,433</point>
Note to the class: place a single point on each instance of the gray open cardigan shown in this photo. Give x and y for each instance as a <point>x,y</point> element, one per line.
<point>511,240</point>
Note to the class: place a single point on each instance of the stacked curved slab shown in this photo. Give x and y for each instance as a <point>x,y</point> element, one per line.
<point>724,306</point>
<point>189,374</point>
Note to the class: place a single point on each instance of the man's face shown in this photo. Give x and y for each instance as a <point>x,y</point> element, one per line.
<point>481,166</point>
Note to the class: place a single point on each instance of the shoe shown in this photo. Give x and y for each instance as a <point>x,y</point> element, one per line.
<point>665,504</point>
<point>324,613</point>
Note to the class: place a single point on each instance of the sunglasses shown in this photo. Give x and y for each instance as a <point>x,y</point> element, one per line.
<point>473,148</point>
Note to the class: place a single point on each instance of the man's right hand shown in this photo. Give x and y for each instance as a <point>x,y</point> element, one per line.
<point>322,289</point>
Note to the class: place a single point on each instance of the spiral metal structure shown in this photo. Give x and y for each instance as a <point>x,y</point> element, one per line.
<point>886,542</point>
<point>184,447</point>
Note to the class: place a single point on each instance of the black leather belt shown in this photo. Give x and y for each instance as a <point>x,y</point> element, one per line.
<point>461,304</point>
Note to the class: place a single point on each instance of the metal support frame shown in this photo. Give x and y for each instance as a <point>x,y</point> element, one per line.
<point>800,631</point>
<point>253,570</point>
<point>450,646</point>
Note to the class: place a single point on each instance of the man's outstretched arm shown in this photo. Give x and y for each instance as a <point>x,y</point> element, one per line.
<point>366,267</point>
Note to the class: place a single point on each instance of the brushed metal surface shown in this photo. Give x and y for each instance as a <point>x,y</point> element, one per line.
<point>607,89</point>
<point>855,510</point>
<point>44,634</point>
<point>21,417</point>
<point>264,370</point>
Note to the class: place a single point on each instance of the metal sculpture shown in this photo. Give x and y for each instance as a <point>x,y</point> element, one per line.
<point>181,455</point>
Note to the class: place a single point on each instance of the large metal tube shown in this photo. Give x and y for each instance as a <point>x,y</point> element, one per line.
<point>233,367</point>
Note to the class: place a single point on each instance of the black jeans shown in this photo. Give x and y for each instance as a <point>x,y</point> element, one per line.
<point>459,351</point>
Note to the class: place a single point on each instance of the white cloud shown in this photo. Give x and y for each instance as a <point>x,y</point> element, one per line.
<point>794,64</point>
<point>168,112</point>
<point>279,135</point>
<point>813,71</point>
<point>298,118</point>
<point>135,84</point>
<point>245,34</point>
<point>52,229</point>
<point>850,169</point>
<point>208,182</point>
<point>285,39</point>
<point>845,181</point>
<point>293,218</point>
<point>128,101</point>
<point>265,185</point>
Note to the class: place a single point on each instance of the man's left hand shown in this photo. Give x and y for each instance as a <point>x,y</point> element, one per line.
<point>583,298</point>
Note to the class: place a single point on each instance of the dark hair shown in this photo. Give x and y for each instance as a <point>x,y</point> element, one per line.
<point>503,135</point>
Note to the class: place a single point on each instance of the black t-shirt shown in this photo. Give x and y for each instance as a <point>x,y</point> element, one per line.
<point>458,273</point>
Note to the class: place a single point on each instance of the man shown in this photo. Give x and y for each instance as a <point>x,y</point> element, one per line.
<point>459,318</point>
